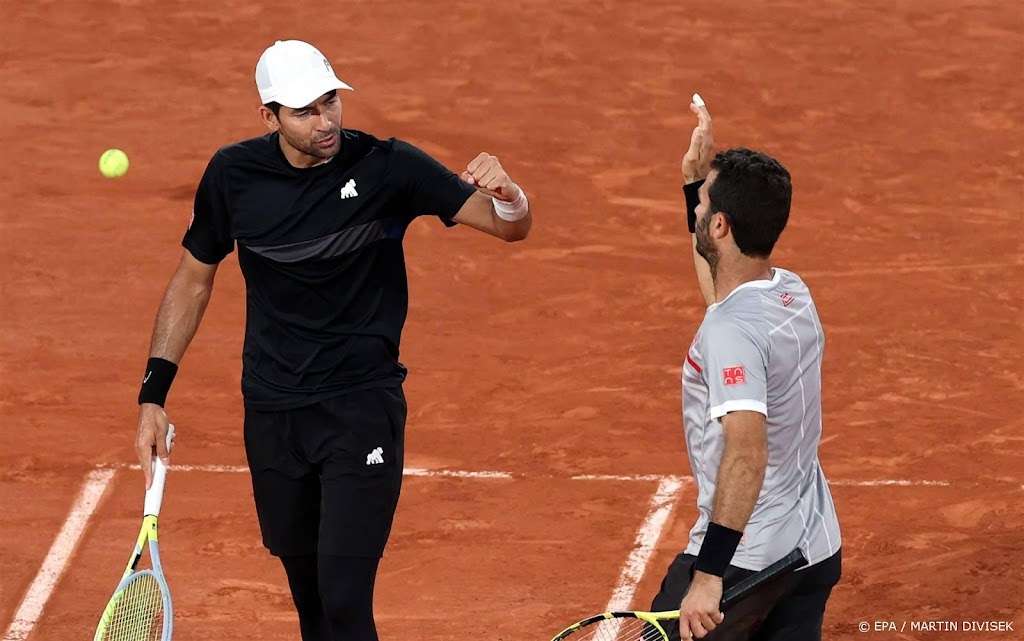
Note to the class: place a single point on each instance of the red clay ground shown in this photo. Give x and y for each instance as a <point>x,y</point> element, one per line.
<point>902,125</point>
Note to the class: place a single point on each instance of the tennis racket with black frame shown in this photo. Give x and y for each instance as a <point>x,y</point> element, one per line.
<point>140,608</point>
<point>634,625</point>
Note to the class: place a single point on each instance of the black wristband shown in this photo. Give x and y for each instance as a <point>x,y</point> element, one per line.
<point>157,382</point>
<point>716,551</point>
<point>692,200</point>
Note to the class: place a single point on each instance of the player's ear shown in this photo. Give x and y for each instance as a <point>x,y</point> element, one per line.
<point>720,225</point>
<point>269,119</point>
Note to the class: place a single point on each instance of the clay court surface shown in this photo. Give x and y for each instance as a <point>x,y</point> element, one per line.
<point>555,361</point>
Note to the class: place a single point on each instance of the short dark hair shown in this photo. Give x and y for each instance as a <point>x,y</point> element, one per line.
<point>754,191</point>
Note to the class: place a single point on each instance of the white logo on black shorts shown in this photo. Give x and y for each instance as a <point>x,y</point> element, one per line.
<point>376,457</point>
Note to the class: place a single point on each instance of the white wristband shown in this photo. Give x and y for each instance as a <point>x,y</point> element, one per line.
<point>512,211</point>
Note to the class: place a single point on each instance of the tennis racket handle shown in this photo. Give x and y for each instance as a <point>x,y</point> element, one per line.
<point>155,494</point>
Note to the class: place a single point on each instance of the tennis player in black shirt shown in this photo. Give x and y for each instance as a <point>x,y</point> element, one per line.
<point>317,213</point>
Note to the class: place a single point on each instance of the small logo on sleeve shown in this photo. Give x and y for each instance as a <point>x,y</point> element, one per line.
<point>787,299</point>
<point>734,375</point>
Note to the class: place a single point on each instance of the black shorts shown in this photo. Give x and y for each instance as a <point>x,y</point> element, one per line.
<point>326,477</point>
<point>791,609</point>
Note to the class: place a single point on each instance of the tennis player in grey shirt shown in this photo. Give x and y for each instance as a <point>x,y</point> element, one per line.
<point>751,411</point>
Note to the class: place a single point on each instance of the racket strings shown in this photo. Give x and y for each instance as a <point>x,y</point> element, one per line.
<point>139,615</point>
<point>618,629</point>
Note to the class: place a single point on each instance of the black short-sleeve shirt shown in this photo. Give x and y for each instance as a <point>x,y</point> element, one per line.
<point>321,253</point>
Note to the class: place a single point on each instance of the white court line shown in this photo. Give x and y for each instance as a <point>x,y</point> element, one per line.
<point>461,474</point>
<point>409,471</point>
<point>627,477</point>
<point>60,552</point>
<point>229,469</point>
<point>643,546</point>
<point>899,482</point>
<point>494,474</point>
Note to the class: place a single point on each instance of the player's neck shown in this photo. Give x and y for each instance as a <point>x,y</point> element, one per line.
<point>730,274</point>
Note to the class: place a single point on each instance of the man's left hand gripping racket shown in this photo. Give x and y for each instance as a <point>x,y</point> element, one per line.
<point>140,609</point>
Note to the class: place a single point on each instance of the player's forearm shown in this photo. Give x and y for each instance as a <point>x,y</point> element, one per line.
<point>740,477</point>
<point>178,319</point>
<point>512,231</point>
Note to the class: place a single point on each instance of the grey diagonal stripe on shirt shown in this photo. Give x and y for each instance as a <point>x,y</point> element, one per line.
<point>330,246</point>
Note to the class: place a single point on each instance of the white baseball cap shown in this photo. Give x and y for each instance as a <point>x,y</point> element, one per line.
<point>294,74</point>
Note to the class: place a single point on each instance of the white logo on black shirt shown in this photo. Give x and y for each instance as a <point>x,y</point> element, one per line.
<point>349,190</point>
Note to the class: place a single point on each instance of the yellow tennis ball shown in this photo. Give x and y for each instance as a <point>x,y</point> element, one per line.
<point>113,163</point>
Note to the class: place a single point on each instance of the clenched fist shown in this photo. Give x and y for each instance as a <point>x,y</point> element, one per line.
<point>486,174</point>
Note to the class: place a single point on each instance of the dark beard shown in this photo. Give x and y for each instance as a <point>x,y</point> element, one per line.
<point>705,248</point>
<point>317,152</point>
<point>310,149</point>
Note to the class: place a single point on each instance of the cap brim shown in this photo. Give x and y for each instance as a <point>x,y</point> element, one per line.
<point>310,92</point>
